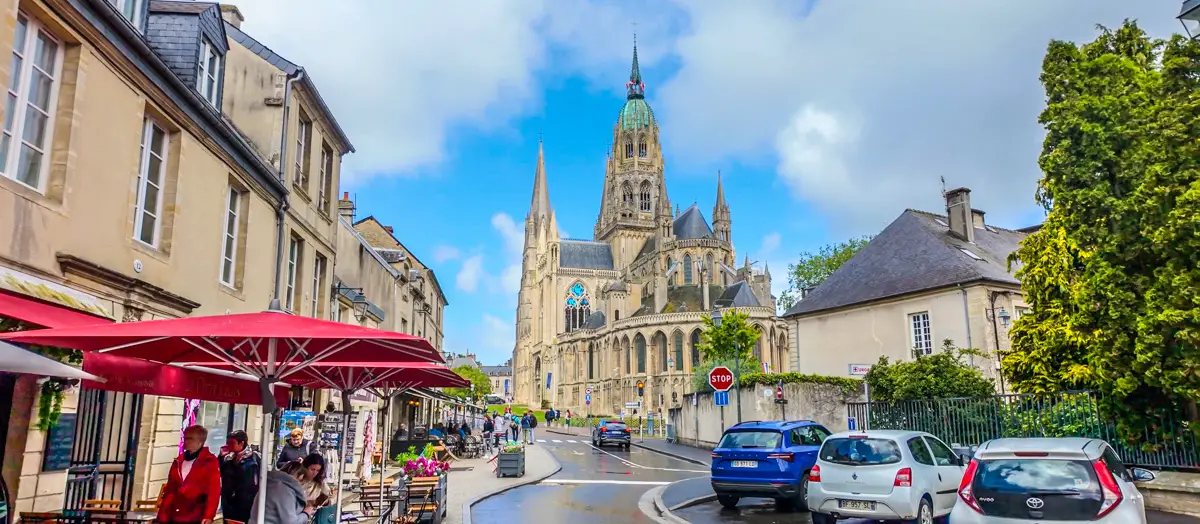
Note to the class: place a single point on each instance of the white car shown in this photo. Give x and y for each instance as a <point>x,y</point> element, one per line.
<point>1064,480</point>
<point>883,475</point>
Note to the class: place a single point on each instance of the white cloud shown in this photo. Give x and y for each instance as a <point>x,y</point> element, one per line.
<point>770,256</point>
<point>444,253</point>
<point>470,273</point>
<point>514,243</point>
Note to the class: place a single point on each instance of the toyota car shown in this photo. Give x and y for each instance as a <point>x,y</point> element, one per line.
<point>1064,480</point>
<point>768,459</point>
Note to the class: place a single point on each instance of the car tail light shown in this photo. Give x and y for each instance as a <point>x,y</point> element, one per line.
<point>1031,454</point>
<point>814,475</point>
<point>965,492</point>
<point>788,457</point>
<point>716,455</point>
<point>1108,485</point>
<point>903,478</point>
<point>858,436</point>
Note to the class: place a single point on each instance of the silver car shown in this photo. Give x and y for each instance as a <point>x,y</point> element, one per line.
<point>883,475</point>
<point>1064,480</point>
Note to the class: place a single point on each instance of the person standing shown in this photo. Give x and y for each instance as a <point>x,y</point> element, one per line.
<point>286,501</point>
<point>488,429</point>
<point>294,449</point>
<point>193,490</point>
<point>239,478</point>
<point>549,416</point>
<point>515,428</point>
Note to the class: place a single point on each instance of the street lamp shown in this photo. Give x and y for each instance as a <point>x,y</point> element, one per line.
<point>737,361</point>
<point>1189,16</point>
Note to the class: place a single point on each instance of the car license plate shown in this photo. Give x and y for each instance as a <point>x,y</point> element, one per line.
<point>856,504</point>
<point>745,464</point>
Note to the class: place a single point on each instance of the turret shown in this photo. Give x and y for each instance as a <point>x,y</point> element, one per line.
<point>721,221</point>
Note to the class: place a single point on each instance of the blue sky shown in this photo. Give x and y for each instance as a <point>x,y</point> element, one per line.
<point>826,119</point>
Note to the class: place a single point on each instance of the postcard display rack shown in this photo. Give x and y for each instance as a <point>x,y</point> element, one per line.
<point>331,433</point>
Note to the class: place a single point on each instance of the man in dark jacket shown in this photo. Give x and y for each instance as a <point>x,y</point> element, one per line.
<point>239,478</point>
<point>295,449</point>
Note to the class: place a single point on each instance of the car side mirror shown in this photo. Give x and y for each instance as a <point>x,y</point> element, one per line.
<point>1141,475</point>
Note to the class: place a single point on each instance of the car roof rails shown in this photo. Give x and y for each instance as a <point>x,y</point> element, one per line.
<point>746,422</point>
<point>800,421</point>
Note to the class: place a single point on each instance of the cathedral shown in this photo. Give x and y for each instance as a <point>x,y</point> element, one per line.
<point>601,315</point>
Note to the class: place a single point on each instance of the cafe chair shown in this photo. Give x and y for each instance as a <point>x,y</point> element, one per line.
<point>102,505</point>
<point>40,517</point>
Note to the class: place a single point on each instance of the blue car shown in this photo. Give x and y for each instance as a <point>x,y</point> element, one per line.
<point>767,459</point>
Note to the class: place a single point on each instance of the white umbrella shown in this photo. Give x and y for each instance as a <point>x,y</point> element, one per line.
<point>14,359</point>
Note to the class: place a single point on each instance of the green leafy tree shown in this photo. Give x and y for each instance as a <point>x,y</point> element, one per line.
<point>812,268</point>
<point>483,385</point>
<point>724,345</point>
<point>700,373</point>
<point>943,374</point>
<point>1112,277</point>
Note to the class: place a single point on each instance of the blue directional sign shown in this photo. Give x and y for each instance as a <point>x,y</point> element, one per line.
<point>587,399</point>
<point>721,398</point>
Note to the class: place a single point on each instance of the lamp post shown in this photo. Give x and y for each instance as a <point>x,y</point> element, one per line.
<point>1189,16</point>
<point>737,363</point>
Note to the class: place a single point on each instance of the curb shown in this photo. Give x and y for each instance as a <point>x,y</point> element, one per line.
<point>668,514</point>
<point>672,455</point>
<point>466,508</point>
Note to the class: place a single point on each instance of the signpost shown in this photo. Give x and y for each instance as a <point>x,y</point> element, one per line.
<point>587,399</point>
<point>858,370</point>
<point>588,390</point>
<point>721,398</point>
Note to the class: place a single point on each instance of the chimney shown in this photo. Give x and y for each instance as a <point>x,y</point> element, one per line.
<point>958,213</point>
<point>232,15</point>
<point>977,219</point>
<point>346,207</point>
<point>388,229</point>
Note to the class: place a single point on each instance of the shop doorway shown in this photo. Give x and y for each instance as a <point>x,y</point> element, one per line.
<point>106,437</point>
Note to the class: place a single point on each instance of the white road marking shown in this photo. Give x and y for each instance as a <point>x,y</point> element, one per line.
<point>556,441</point>
<point>625,482</point>
<point>573,441</point>
<point>543,440</point>
<point>636,465</point>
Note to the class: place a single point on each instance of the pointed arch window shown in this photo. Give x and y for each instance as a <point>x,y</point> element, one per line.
<point>644,197</point>
<point>639,342</point>
<point>758,345</point>
<point>629,149</point>
<point>708,265</point>
<point>628,356</point>
<point>660,345</point>
<point>687,269</point>
<point>627,194</point>
<point>642,148</point>
<point>678,351</point>
<point>577,309</point>
<point>591,363</point>
<point>695,348</point>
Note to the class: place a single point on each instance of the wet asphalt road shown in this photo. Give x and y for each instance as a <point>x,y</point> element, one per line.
<point>594,486</point>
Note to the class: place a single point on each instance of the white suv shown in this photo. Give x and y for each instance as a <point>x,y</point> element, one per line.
<point>883,475</point>
<point>1064,480</point>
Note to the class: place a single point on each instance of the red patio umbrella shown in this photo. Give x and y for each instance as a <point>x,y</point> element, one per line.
<point>271,346</point>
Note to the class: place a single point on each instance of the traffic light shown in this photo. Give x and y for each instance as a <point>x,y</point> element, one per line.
<point>641,388</point>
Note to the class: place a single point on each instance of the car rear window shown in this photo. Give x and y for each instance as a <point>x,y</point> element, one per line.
<point>1059,489</point>
<point>615,425</point>
<point>860,451</point>
<point>751,439</point>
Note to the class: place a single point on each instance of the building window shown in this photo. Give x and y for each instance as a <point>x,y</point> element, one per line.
<point>687,269</point>
<point>644,197</point>
<point>708,266</point>
<point>404,326</point>
<point>295,253</point>
<point>131,10</point>
<point>922,338</point>
<point>33,88</point>
<point>151,175</point>
<point>577,308</point>
<point>591,363</point>
<point>318,285</point>
<point>628,149</point>
<point>1019,312</point>
<point>640,343</point>
<point>627,194</point>
<point>229,246</point>
<point>678,351</point>
<point>695,348</point>
<point>642,148</point>
<point>208,81</point>
<point>303,139</point>
<point>326,180</point>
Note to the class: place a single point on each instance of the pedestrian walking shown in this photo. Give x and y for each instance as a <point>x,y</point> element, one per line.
<point>193,489</point>
<point>239,477</point>
<point>549,417</point>
<point>488,429</point>
<point>515,428</point>
<point>568,420</point>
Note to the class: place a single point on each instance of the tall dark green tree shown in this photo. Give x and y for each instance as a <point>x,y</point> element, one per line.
<point>1112,276</point>
<point>812,268</point>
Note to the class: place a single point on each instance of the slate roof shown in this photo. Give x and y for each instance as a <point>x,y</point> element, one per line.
<point>738,294</point>
<point>595,321</point>
<point>618,286</point>
<point>497,371</point>
<point>288,68</point>
<point>916,252</point>
<point>691,224</point>
<point>584,254</point>
<point>175,6</point>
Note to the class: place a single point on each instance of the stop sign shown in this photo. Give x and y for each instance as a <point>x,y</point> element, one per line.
<point>720,378</point>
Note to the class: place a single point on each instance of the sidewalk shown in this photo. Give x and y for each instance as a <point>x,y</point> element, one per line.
<point>466,488</point>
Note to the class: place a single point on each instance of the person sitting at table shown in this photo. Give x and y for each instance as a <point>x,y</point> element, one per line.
<point>239,477</point>
<point>436,432</point>
<point>287,501</point>
<point>193,489</point>
<point>314,481</point>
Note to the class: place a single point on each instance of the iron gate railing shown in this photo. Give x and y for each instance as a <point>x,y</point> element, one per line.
<point>106,437</point>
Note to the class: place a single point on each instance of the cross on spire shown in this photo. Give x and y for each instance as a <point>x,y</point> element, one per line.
<point>635,88</point>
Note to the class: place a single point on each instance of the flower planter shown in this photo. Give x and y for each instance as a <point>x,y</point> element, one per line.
<point>439,498</point>
<point>510,464</point>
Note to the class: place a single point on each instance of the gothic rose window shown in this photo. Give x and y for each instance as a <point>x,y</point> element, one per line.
<point>644,197</point>
<point>577,309</point>
<point>642,148</point>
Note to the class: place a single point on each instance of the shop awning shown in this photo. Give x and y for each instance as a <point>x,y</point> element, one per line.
<point>44,314</point>
<point>19,360</point>
<point>134,375</point>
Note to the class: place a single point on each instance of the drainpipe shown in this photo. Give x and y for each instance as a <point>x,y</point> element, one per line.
<point>967,321</point>
<point>281,210</point>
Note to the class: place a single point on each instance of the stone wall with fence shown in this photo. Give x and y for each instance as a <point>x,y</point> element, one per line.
<point>700,422</point>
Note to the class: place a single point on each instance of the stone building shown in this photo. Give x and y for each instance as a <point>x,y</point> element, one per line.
<point>628,305</point>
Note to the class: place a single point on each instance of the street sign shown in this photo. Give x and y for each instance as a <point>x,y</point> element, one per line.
<point>720,378</point>
<point>852,423</point>
<point>588,390</point>
<point>633,405</point>
<point>858,370</point>
<point>588,397</point>
<point>721,398</point>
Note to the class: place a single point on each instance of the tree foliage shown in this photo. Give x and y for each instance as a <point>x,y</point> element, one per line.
<point>1112,277</point>
<point>732,338</point>
<point>812,268</point>
<point>750,365</point>
<point>483,384</point>
<point>943,374</point>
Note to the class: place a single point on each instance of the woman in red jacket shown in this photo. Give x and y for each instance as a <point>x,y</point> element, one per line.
<point>193,489</point>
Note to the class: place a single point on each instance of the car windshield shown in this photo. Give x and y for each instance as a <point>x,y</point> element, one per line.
<point>860,451</point>
<point>751,439</point>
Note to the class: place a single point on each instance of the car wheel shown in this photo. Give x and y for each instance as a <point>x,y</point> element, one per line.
<point>801,500</point>
<point>821,518</point>
<point>729,501</point>
<point>925,512</point>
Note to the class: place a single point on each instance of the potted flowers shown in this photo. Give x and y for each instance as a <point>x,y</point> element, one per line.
<point>510,462</point>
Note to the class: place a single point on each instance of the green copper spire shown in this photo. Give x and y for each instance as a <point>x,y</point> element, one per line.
<point>635,88</point>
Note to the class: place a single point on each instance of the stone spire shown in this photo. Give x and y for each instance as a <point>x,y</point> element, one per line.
<point>720,193</point>
<point>722,224</point>
<point>635,88</point>
<point>540,206</point>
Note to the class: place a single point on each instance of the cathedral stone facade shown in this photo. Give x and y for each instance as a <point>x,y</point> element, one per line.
<point>629,304</point>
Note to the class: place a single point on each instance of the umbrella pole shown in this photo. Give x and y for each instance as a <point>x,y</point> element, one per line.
<point>261,517</point>
<point>385,447</point>
<point>341,465</point>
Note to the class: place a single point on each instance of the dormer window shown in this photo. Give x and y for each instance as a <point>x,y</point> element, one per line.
<point>131,10</point>
<point>210,71</point>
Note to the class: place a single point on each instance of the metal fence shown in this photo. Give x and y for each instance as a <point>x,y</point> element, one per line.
<point>972,421</point>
